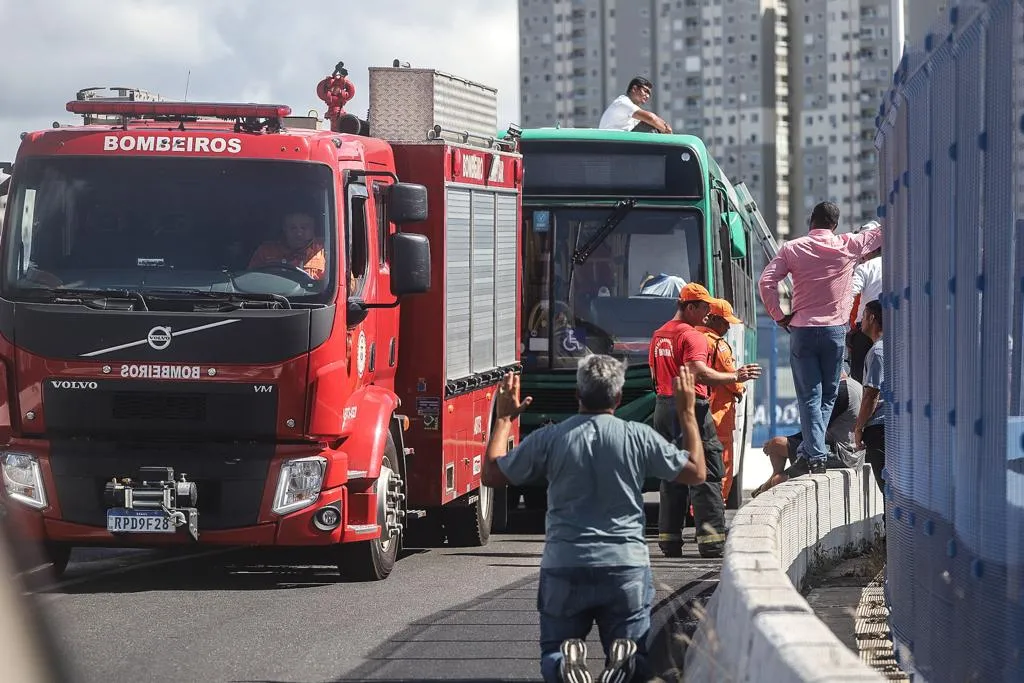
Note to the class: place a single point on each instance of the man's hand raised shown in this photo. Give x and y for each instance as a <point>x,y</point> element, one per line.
<point>507,405</point>
<point>748,372</point>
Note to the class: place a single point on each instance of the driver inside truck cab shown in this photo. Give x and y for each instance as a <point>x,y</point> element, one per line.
<point>300,245</point>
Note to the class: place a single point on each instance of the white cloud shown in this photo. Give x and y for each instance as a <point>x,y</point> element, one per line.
<point>235,50</point>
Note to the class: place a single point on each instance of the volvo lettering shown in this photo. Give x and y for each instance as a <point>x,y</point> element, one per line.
<point>72,384</point>
<point>222,324</point>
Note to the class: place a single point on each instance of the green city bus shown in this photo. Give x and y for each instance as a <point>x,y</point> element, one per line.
<point>614,223</point>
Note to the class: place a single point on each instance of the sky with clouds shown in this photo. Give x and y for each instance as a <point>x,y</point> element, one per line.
<point>239,50</point>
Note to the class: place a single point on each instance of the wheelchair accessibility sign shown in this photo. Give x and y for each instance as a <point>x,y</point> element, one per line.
<point>573,340</point>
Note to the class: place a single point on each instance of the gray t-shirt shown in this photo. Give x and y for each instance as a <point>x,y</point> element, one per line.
<point>873,377</point>
<point>595,466</point>
<point>840,427</point>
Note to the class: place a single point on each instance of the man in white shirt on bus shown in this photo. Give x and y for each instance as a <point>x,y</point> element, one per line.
<point>624,113</point>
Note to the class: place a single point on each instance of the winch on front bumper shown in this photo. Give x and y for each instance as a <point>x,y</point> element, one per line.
<point>155,503</point>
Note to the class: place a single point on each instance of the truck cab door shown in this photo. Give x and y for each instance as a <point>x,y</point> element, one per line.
<point>360,283</point>
<point>387,318</point>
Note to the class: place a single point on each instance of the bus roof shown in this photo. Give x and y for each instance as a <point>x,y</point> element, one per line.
<point>599,134</point>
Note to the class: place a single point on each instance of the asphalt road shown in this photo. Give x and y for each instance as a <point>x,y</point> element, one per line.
<point>448,614</point>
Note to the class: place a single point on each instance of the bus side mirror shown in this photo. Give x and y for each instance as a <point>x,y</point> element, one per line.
<point>410,264</point>
<point>407,203</point>
<point>737,235</point>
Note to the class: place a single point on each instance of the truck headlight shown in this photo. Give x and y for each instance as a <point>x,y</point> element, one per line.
<point>299,484</point>
<point>23,479</point>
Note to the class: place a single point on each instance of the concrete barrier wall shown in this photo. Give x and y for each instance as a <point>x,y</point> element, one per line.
<point>758,626</point>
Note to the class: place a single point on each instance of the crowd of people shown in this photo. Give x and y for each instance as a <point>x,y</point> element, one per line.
<point>595,567</point>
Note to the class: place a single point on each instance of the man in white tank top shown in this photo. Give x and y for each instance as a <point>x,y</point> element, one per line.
<point>624,113</point>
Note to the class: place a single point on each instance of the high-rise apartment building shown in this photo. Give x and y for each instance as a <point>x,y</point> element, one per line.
<point>783,91</point>
<point>841,66</point>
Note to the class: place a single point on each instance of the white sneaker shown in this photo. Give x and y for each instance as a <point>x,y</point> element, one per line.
<point>574,662</point>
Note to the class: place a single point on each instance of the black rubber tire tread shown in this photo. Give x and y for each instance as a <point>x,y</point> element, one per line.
<point>467,526</point>
<point>499,514</point>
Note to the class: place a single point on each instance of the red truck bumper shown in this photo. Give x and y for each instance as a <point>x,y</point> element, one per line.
<point>356,501</point>
<point>295,529</point>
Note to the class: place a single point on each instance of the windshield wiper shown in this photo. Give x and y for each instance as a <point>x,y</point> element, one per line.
<point>228,297</point>
<point>83,295</point>
<point>622,207</point>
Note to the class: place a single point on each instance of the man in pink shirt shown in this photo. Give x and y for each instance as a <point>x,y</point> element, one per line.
<point>821,264</point>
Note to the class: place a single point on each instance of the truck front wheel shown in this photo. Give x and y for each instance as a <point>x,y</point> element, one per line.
<point>373,560</point>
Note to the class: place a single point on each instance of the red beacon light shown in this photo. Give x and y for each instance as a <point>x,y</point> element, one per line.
<point>165,109</point>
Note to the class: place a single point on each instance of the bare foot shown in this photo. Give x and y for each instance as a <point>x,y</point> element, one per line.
<point>772,482</point>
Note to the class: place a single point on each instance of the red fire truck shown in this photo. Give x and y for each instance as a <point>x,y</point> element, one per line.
<point>222,324</point>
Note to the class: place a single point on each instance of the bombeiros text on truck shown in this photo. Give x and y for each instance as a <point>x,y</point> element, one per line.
<point>223,324</point>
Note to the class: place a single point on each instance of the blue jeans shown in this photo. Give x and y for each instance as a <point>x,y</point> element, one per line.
<point>816,357</point>
<point>571,599</point>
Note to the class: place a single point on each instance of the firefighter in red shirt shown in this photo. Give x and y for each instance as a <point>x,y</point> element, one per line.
<point>679,342</point>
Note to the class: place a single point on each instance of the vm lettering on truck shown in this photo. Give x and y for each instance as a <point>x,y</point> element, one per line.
<point>161,371</point>
<point>171,143</point>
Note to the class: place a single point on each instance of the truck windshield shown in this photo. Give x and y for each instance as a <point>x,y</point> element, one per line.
<point>612,301</point>
<point>237,226</point>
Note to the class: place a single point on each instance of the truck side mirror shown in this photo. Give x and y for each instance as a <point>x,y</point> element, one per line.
<point>407,203</point>
<point>410,264</point>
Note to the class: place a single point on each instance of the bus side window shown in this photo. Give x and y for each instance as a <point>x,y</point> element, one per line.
<point>748,271</point>
<point>723,266</point>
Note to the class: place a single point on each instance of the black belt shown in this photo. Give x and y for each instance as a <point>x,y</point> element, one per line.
<point>700,399</point>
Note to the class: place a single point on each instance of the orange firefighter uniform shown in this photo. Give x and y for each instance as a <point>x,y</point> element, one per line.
<point>724,396</point>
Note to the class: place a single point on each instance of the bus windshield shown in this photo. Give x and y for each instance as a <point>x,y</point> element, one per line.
<point>612,298</point>
<point>245,227</point>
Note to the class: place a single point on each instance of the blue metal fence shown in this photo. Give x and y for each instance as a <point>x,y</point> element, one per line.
<point>951,150</point>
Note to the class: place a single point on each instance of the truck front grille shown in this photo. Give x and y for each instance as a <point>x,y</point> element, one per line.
<point>146,405</point>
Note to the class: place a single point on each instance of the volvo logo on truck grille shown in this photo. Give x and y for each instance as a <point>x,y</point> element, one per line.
<point>159,338</point>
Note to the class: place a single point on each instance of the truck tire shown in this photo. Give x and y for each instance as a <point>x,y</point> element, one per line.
<point>373,560</point>
<point>470,525</point>
<point>499,518</point>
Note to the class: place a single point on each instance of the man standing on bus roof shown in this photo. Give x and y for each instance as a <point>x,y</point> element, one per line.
<point>624,113</point>
<point>724,397</point>
<point>679,343</point>
<point>822,264</point>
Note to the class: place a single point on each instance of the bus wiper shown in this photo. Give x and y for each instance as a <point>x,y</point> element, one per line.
<point>228,297</point>
<point>622,207</point>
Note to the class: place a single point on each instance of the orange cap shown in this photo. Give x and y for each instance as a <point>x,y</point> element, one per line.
<point>696,292</point>
<point>723,309</point>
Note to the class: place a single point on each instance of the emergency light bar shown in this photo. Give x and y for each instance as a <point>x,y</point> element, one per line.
<point>179,109</point>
